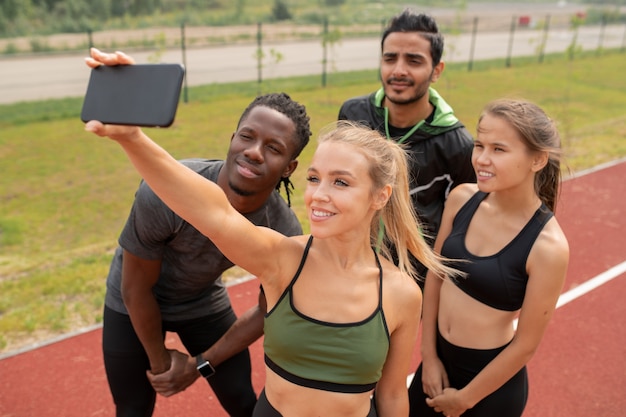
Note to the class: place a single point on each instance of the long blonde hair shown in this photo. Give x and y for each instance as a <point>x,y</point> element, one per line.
<point>397,219</point>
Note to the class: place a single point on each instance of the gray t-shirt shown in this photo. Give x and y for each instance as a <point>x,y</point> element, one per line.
<point>190,283</point>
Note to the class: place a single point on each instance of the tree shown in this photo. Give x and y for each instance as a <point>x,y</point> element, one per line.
<point>334,2</point>
<point>280,11</point>
<point>10,9</point>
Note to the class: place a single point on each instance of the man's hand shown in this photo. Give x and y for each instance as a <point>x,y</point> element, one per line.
<point>182,373</point>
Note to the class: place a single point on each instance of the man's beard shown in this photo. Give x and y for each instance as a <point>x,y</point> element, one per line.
<point>239,191</point>
<point>413,99</point>
<point>417,96</point>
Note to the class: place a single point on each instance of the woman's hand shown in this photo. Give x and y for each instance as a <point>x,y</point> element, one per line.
<point>98,58</point>
<point>116,132</point>
<point>434,377</point>
<point>449,403</point>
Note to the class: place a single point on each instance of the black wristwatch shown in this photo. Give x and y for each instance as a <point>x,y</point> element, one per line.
<point>204,367</point>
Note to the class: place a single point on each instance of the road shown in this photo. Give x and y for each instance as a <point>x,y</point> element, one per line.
<point>52,76</point>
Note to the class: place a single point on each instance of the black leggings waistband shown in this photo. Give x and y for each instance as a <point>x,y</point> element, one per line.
<point>265,409</point>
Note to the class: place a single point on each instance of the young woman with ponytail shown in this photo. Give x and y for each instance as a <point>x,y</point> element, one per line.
<point>514,255</point>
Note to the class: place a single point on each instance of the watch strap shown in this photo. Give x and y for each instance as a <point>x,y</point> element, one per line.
<point>204,367</point>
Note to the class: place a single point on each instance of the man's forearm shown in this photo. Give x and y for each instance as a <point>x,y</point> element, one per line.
<point>146,320</point>
<point>246,330</point>
<point>139,276</point>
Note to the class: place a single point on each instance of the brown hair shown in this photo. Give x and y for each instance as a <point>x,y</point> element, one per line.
<point>539,133</point>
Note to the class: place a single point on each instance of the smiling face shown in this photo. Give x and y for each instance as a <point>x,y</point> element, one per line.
<point>338,195</point>
<point>501,159</point>
<point>260,153</point>
<point>406,67</point>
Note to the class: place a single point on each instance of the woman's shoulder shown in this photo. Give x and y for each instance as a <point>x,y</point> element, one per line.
<point>548,261</point>
<point>402,299</point>
<point>459,196</point>
<point>463,191</point>
<point>292,248</point>
<point>551,244</point>
<point>399,285</point>
<point>289,250</point>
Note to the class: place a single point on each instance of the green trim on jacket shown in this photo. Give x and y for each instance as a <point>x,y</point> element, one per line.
<point>443,120</point>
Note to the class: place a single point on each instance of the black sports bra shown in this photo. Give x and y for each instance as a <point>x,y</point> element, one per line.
<point>498,280</point>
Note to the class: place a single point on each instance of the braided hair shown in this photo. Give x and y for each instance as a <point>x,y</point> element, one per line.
<point>296,112</point>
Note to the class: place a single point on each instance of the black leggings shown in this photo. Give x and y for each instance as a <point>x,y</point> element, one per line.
<point>265,409</point>
<point>126,363</point>
<point>462,365</point>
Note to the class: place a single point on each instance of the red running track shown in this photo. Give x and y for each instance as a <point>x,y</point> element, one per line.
<point>578,371</point>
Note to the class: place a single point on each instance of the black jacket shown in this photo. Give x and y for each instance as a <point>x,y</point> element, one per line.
<point>439,153</point>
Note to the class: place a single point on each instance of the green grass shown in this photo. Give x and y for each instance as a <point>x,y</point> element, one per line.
<point>65,194</point>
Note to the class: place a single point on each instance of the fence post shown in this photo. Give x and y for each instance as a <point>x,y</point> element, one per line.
<point>601,37</point>
<point>508,55</point>
<point>470,64</point>
<point>259,55</point>
<point>89,39</point>
<point>545,38</point>
<point>324,50</point>
<point>183,48</point>
<point>572,47</point>
<point>623,40</point>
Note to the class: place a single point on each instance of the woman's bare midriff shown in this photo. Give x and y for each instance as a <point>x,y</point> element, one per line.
<point>296,401</point>
<point>466,322</point>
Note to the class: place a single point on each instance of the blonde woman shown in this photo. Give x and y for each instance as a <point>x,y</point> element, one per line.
<point>342,318</point>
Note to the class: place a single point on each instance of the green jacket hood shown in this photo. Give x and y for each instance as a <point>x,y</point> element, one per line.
<point>444,114</point>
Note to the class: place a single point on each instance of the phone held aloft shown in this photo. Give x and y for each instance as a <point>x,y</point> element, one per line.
<point>144,95</point>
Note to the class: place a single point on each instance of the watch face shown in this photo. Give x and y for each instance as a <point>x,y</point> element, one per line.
<point>204,367</point>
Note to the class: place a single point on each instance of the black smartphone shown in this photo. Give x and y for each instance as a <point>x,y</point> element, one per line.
<point>140,95</point>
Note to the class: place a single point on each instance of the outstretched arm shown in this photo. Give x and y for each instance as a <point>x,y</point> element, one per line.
<point>245,331</point>
<point>199,201</point>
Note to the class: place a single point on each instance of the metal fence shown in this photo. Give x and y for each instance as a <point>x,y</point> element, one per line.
<point>263,52</point>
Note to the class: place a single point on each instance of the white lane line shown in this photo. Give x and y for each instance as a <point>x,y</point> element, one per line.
<point>591,284</point>
<point>579,291</point>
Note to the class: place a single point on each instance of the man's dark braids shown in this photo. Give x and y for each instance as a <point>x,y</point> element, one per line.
<point>288,188</point>
<point>296,112</point>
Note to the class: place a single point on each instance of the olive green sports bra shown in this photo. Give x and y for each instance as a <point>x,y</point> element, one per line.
<point>339,357</point>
